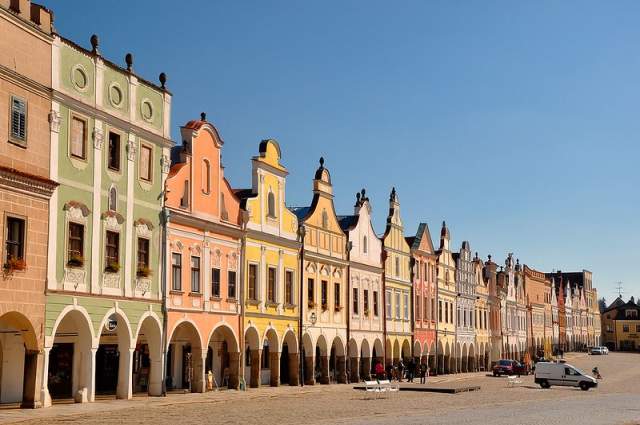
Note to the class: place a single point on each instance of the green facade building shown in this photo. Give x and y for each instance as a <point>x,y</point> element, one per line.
<point>110,142</point>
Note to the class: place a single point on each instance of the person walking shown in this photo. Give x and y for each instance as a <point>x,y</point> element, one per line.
<point>379,370</point>
<point>423,373</point>
<point>400,370</point>
<point>411,370</point>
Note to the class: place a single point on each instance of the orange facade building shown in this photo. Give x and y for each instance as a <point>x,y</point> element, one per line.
<point>203,245</point>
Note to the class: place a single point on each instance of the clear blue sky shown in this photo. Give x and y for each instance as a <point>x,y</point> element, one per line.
<point>516,122</point>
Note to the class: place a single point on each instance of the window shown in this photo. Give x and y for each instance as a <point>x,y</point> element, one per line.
<point>215,283</point>
<point>253,281</point>
<point>365,301</point>
<point>625,328</point>
<point>375,303</point>
<point>388,303</point>
<point>364,244</point>
<point>184,201</point>
<point>450,313</point>
<point>310,292</point>
<point>112,251</point>
<point>439,311</point>
<point>271,205</point>
<point>231,284</point>
<point>637,328</point>
<point>15,238</point>
<point>206,177</point>
<point>75,247</point>
<point>397,266</point>
<point>271,284</point>
<point>18,119</point>
<point>397,305</point>
<point>325,219</point>
<point>113,199</point>
<point>113,159</point>
<point>288,287</point>
<point>324,294</point>
<point>446,312</point>
<point>143,255</point>
<point>195,274</point>
<point>78,138</point>
<point>355,301</point>
<point>145,162</point>
<point>176,271</point>
<point>336,295</point>
<point>405,304</point>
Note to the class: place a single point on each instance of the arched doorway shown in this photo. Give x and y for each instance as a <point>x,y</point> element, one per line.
<point>270,373</point>
<point>388,352</point>
<point>406,352</point>
<point>377,354</point>
<point>289,360</point>
<point>353,364</point>
<point>222,365</point>
<point>447,358</point>
<point>308,352</point>
<point>71,356</point>
<point>322,361</point>
<point>337,362</point>
<point>365,370</point>
<point>253,349</point>
<point>19,352</point>
<point>147,358</point>
<point>417,352</point>
<point>185,361</point>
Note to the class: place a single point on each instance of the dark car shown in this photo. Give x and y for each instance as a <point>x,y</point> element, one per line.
<point>510,367</point>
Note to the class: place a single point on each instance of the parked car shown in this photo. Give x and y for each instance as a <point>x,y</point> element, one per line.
<point>563,374</point>
<point>596,351</point>
<point>605,350</point>
<point>510,367</point>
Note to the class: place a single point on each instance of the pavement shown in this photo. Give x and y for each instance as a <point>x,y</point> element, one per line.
<point>615,401</point>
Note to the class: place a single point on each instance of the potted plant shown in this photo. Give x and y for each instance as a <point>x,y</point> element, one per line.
<point>338,307</point>
<point>75,260</point>
<point>144,272</point>
<point>112,267</point>
<point>366,312</point>
<point>311,304</point>
<point>14,264</point>
<point>325,307</point>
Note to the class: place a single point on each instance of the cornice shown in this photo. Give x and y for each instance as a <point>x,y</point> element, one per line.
<point>23,182</point>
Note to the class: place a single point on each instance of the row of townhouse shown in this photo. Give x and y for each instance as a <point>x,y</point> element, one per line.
<point>131,265</point>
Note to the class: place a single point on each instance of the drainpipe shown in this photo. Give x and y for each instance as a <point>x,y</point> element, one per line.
<point>383,256</point>
<point>301,234</point>
<point>243,257</point>
<point>164,220</point>
<point>347,307</point>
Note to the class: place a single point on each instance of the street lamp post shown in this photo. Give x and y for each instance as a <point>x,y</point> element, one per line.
<point>313,318</point>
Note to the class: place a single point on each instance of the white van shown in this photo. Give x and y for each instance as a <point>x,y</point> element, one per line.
<point>548,374</point>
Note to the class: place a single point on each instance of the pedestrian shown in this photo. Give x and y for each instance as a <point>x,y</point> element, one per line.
<point>400,370</point>
<point>423,373</point>
<point>379,370</point>
<point>411,370</point>
<point>390,372</point>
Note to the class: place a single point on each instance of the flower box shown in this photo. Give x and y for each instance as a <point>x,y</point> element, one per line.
<point>76,261</point>
<point>112,267</point>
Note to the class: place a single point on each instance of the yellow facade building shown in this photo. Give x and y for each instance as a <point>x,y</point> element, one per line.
<point>397,285</point>
<point>324,267</point>
<point>446,325</point>
<point>271,274</point>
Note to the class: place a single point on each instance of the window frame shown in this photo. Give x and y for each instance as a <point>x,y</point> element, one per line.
<point>289,291</point>
<point>272,286</point>
<point>214,293</point>
<point>176,268</point>
<point>17,140</point>
<point>271,205</point>
<point>196,275</point>
<point>75,116</point>
<point>311,291</point>
<point>324,294</point>
<point>69,239</point>
<point>145,145</point>
<point>356,301</point>
<point>22,245</point>
<point>337,298</point>
<point>119,149</point>
<point>147,262</point>
<point>107,257</point>
<point>232,284</point>
<point>255,268</point>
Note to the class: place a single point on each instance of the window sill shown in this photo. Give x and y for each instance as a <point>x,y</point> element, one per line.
<point>176,292</point>
<point>195,294</point>
<point>232,300</point>
<point>272,304</point>
<point>253,302</point>
<point>19,143</point>
<point>291,306</point>
<point>215,298</point>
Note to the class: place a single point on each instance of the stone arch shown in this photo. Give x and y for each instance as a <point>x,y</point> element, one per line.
<point>447,358</point>
<point>440,354</point>
<point>20,351</point>
<point>147,374</point>
<point>72,337</point>
<point>222,362</point>
<point>253,350</point>
<point>417,351</point>
<point>354,360</point>
<point>365,368</point>
<point>472,359</point>
<point>464,359</point>
<point>396,351</point>
<point>388,351</point>
<point>289,360</point>
<point>308,364</point>
<point>337,361</point>
<point>185,357</point>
